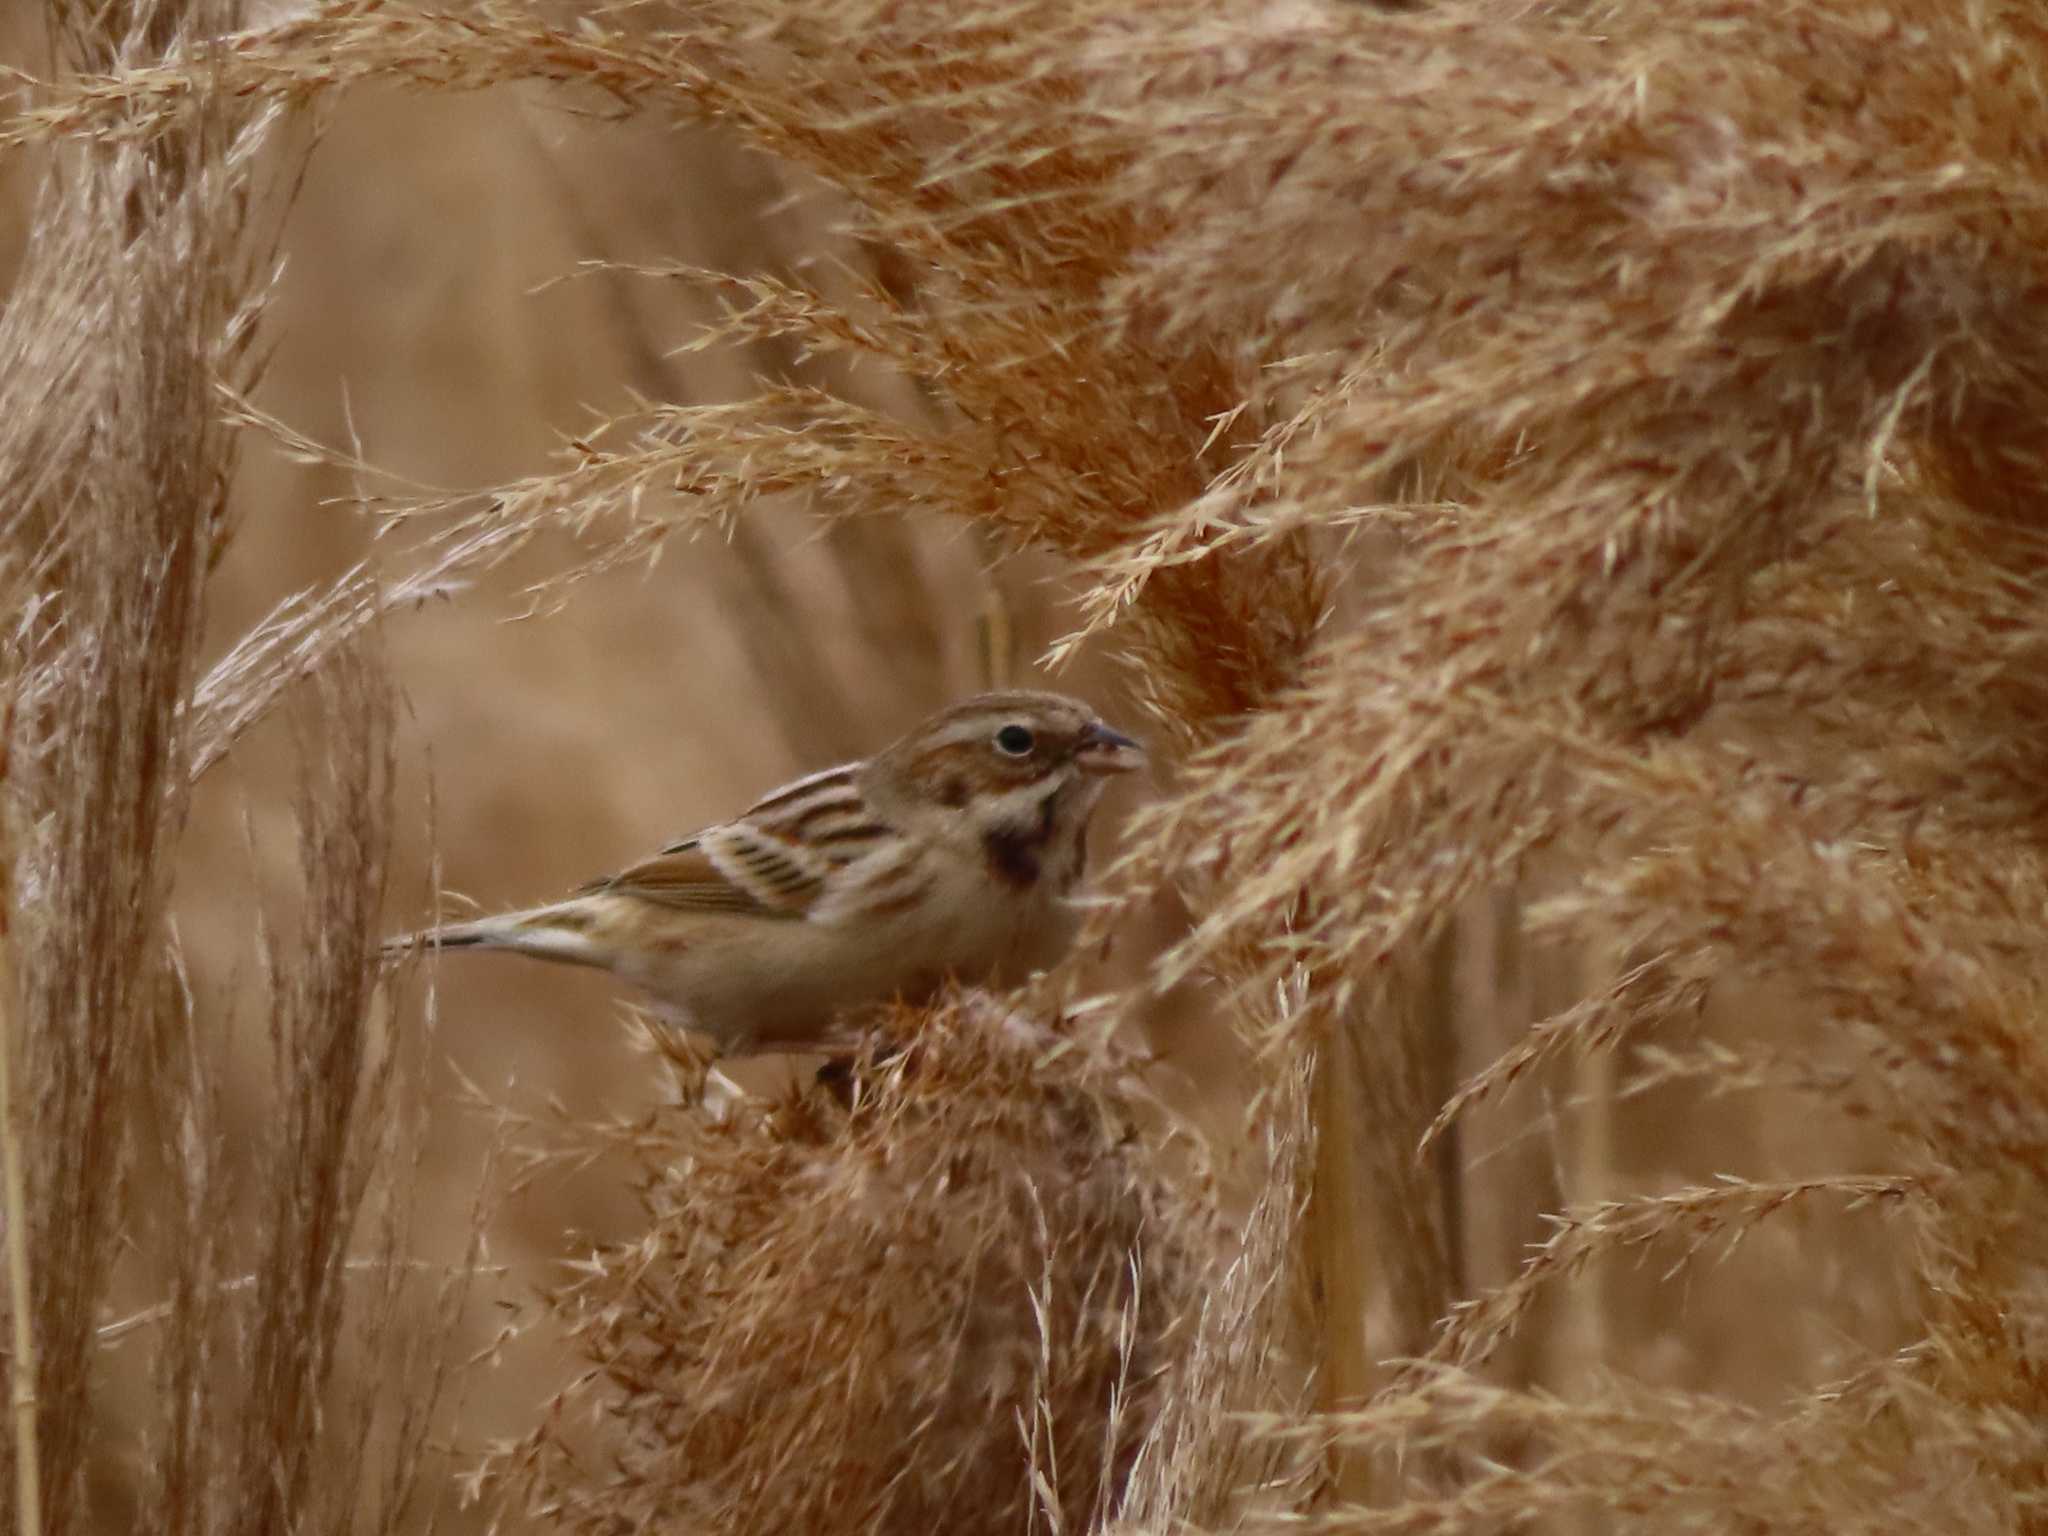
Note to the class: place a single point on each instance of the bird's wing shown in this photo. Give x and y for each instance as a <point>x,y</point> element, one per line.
<point>771,862</point>
<point>823,813</point>
<point>729,868</point>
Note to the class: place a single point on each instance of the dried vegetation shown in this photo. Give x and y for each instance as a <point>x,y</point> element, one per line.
<point>935,1294</point>
<point>1560,480</point>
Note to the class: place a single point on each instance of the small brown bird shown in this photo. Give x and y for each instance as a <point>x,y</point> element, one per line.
<point>953,852</point>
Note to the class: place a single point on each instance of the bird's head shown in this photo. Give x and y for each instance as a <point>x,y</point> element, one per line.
<point>1002,765</point>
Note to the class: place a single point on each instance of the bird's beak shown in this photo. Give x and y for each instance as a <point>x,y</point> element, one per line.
<point>1101,750</point>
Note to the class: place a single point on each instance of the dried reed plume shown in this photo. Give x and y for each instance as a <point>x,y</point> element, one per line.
<point>145,273</point>
<point>1558,448</point>
<point>942,1295</point>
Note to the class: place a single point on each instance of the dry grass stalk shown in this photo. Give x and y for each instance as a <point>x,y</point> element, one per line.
<point>333,1077</point>
<point>28,1471</point>
<point>116,530</point>
<point>1058,422</point>
<point>1207,1466</point>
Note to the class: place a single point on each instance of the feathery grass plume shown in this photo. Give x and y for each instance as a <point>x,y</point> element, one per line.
<point>1682,365</point>
<point>289,1351</point>
<point>145,271</point>
<point>1633,1459</point>
<point>303,1451</point>
<point>952,1298</point>
<point>1696,372</point>
<point>111,513</point>
<point>290,1356</point>
<point>1062,419</point>
<point>1662,358</point>
<point>1936,985</point>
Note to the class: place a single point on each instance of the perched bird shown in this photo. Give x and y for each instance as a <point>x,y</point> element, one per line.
<point>953,852</point>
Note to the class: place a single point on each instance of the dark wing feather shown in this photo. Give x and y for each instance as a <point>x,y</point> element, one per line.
<point>732,868</point>
<point>772,862</point>
<point>683,876</point>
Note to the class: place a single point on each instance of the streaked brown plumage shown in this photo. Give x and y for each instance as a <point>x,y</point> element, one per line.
<point>954,852</point>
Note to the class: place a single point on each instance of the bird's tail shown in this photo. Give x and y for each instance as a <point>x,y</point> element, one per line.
<point>561,932</point>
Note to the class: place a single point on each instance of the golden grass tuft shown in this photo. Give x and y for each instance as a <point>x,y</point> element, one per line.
<point>944,1287</point>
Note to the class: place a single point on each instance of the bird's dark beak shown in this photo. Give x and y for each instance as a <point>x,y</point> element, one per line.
<point>1101,750</point>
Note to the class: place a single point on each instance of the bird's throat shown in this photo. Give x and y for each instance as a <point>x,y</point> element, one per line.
<point>1016,852</point>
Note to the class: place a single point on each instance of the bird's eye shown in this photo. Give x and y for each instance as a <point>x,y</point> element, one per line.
<point>1015,740</point>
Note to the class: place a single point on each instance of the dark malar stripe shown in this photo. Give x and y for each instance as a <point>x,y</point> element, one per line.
<point>1013,856</point>
<point>1015,853</point>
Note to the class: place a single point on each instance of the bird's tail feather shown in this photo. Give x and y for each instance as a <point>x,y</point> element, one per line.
<point>560,932</point>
